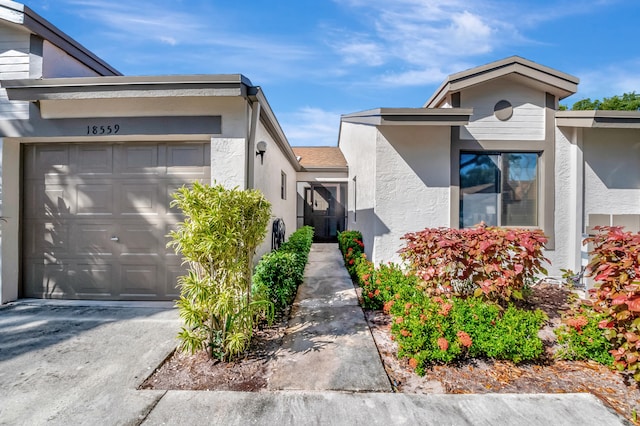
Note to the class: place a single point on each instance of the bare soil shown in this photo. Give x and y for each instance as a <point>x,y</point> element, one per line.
<point>252,372</point>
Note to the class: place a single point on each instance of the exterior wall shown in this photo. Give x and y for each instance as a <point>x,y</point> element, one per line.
<point>14,64</point>
<point>568,202</point>
<point>267,179</point>
<point>358,145</point>
<point>612,176</point>
<point>57,63</point>
<point>527,122</point>
<point>412,185</point>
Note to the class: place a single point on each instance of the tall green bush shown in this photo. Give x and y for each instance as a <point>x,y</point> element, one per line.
<point>279,273</point>
<point>217,239</point>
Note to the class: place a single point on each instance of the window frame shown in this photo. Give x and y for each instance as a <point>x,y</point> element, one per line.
<point>499,205</point>
<point>283,185</point>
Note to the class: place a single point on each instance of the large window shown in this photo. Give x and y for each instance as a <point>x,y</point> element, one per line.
<point>499,189</point>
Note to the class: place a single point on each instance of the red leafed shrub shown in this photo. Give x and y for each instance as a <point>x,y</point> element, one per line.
<point>495,262</point>
<point>615,265</point>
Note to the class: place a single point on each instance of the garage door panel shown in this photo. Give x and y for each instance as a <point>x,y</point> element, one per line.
<point>139,279</point>
<point>140,199</point>
<point>139,159</point>
<point>186,159</point>
<point>42,160</point>
<point>93,240</point>
<point>47,281</point>
<point>94,199</point>
<point>48,201</point>
<point>46,238</point>
<point>139,239</point>
<point>94,280</point>
<point>95,223</point>
<point>94,159</point>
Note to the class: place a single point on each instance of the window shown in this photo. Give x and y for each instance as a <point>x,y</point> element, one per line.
<point>355,198</point>
<point>283,185</point>
<point>499,189</point>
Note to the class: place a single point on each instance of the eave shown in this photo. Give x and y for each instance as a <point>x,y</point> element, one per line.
<point>599,119</point>
<point>120,87</point>
<point>411,117</point>
<point>19,14</point>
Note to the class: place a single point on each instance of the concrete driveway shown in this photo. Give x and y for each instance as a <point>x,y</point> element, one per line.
<point>69,364</point>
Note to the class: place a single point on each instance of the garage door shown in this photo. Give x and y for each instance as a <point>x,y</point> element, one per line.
<point>95,218</point>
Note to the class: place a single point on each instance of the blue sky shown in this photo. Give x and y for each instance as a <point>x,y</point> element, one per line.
<point>318,59</point>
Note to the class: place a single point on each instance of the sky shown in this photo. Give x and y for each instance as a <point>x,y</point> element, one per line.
<point>318,59</point>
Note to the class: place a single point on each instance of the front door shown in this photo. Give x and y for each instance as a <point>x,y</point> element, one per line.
<point>325,210</point>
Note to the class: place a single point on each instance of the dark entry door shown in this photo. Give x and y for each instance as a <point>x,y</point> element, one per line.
<point>325,210</point>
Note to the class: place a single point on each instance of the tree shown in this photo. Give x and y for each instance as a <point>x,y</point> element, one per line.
<point>626,102</point>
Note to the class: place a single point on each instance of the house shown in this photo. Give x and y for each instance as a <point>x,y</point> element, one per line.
<point>490,145</point>
<point>90,159</point>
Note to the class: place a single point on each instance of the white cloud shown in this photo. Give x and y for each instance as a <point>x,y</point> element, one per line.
<point>311,127</point>
<point>615,79</point>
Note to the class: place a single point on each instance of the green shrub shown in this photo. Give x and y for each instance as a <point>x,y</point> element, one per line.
<point>279,273</point>
<point>580,337</point>
<point>347,239</point>
<point>441,330</point>
<point>217,240</point>
<point>381,284</point>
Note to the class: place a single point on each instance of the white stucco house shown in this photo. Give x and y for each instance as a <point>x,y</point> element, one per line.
<point>89,158</point>
<point>491,145</point>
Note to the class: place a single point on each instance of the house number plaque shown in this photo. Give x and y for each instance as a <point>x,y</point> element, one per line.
<point>103,130</point>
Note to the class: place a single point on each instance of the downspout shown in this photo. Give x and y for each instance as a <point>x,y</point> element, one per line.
<point>251,142</point>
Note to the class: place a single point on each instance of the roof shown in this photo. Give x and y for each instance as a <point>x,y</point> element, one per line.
<point>124,87</point>
<point>411,116</point>
<point>524,70</point>
<point>19,14</point>
<point>320,157</point>
<point>599,119</point>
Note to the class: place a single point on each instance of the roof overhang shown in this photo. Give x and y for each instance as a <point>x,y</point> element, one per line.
<point>120,87</point>
<point>528,72</point>
<point>599,119</point>
<point>19,14</point>
<point>411,117</point>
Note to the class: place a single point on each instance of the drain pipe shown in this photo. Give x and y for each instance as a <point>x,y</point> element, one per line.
<point>251,142</point>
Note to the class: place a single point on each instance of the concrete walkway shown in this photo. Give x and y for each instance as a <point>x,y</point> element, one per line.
<point>76,365</point>
<point>328,345</point>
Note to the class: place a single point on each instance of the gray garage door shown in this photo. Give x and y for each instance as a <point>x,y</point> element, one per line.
<point>95,218</point>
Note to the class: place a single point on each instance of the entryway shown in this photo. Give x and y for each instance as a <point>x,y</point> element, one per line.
<point>325,210</point>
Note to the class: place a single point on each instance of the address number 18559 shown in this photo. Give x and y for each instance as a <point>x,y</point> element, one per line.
<point>103,130</point>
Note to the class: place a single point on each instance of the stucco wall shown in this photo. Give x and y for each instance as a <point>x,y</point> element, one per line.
<point>358,145</point>
<point>267,178</point>
<point>412,184</point>
<point>14,64</point>
<point>612,171</point>
<point>568,202</point>
<point>527,122</point>
<point>57,63</point>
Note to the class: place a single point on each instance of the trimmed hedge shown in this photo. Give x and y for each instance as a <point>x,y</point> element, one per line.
<point>279,273</point>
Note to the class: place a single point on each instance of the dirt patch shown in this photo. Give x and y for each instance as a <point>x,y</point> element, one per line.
<point>252,372</point>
